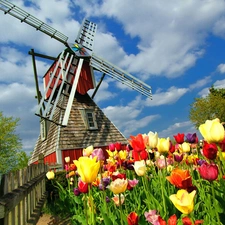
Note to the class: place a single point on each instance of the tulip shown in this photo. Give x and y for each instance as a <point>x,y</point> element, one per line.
<point>118,146</point>
<point>112,147</point>
<point>140,167</point>
<point>180,178</point>
<point>141,155</point>
<point>192,138</point>
<point>163,145</point>
<point>183,201</point>
<point>172,220</point>
<point>82,186</point>
<point>123,154</point>
<point>133,183</point>
<point>118,186</point>
<point>76,191</point>
<point>208,171</point>
<point>152,217</point>
<point>98,152</point>
<point>132,218</point>
<point>117,174</point>
<point>178,157</point>
<point>87,168</point>
<point>212,131</point>
<point>187,221</point>
<point>179,138</point>
<point>67,159</point>
<point>137,143</point>
<point>87,151</point>
<point>210,150</point>
<point>185,147</point>
<point>50,175</point>
<point>117,201</point>
<point>152,139</point>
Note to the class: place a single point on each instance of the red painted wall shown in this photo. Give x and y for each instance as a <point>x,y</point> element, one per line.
<point>85,82</point>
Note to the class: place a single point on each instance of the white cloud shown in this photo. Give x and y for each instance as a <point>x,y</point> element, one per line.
<point>221,68</point>
<point>168,97</point>
<point>179,127</point>
<point>171,33</point>
<point>200,83</point>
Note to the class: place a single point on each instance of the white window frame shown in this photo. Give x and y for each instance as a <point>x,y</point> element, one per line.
<point>89,119</point>
<point>43,130</point>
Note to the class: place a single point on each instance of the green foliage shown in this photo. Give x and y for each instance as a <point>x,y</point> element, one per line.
<point>207,108</point>
<point>10,143</point>
<point>54,202</point>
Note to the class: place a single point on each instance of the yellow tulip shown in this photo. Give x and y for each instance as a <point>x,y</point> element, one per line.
<point>123,154</point>
<point>87,168</point>
<point>163,145</point>
<point>140,167</point>
<point>183,201</point>
<point>185,147</point>
<point>50,175</point>
<point>118,186</point>
<point>212,131</point>
<point>152,139</point>
<point>87,151</point>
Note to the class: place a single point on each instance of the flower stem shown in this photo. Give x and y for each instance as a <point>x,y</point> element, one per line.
<point>213,198</point>
<point>163,197</point>
<point>120,203</point>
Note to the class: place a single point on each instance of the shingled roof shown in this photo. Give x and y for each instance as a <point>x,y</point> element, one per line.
<point>76,135</point>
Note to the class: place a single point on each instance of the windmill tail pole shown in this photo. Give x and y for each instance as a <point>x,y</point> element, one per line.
<point>35,76</point>
<point>96,89</point>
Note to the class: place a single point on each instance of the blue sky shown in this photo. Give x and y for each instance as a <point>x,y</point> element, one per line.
<point>176,47</point>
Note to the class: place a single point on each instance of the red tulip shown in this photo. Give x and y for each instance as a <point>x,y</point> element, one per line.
<point>141,155</point>
<point>172,220</point>
<point>161,221</point>
<point>208,171</point>
<point>119,175</point>
<point>132,218</point>
<point>210,150</point>
<point>187,221</point>
<point>179,138</point>
<point>83,187</point>
<point>118,146</point>
<point>137,143</point>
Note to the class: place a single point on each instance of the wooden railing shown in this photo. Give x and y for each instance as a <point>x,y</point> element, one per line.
<point>22,195</point>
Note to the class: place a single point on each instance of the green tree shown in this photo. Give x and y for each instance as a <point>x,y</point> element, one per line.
<point>10,143</point>
<point>207,108</point>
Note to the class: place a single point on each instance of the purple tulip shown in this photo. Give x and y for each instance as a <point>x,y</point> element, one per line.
<point>76,191</point>
<point>192,138</point>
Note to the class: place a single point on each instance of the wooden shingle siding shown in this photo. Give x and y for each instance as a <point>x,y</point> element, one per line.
<point>76,135</point>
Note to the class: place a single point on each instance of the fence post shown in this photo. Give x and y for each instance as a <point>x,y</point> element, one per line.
<point>41,158</point>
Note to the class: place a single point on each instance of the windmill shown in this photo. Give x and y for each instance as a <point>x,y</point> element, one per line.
<point>74,67</point>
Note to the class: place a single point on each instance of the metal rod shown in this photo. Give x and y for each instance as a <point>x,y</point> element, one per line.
<point>96,89</point>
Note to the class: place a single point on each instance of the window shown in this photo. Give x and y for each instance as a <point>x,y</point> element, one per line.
<point>90,119</point>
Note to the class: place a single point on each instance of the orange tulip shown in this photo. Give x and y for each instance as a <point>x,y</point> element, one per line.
<point>180,178</point>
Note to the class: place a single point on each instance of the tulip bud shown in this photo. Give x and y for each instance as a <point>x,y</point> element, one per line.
<point>67,159</point>
<point>50,175</point>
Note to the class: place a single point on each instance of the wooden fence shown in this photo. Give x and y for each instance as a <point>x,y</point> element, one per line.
<point>22,195</point>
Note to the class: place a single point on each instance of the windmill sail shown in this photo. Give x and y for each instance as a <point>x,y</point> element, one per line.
<point>120,75</point>
<point>86,34</point>
<point>78,55</point>
<point>25,17</point>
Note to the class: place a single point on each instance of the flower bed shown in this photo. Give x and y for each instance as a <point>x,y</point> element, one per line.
<point>153,181</point>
